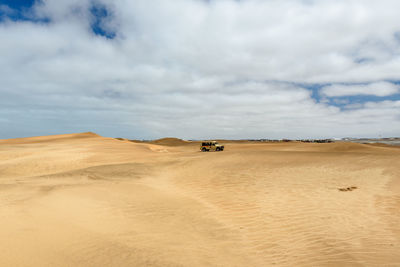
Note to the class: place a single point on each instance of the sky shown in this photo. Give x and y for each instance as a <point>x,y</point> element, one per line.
<point>197,69</point>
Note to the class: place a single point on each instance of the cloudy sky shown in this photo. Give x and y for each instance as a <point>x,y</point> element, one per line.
<point>199,69</point>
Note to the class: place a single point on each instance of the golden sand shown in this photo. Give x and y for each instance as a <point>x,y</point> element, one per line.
<point>87,200</point>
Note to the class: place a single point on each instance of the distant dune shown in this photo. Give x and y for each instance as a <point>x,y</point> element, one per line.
<point>170,141</point>
<point>87,200</point>
<point>50,138</point>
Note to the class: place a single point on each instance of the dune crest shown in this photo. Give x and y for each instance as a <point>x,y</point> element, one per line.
<point>170,141</point>
<point>48,138</point>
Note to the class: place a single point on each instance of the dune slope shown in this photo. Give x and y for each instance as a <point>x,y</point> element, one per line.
<point>87,200</point>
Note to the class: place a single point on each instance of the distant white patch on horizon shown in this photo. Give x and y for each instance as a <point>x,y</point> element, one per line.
<point>376,89</point>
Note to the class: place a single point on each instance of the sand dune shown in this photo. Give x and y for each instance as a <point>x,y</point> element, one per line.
<point>46,139</point>
<point>87,200</point>
<point>170,141</point>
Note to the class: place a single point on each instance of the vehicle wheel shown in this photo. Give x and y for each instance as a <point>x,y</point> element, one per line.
<point>204,149</point>
<point>217,149</point>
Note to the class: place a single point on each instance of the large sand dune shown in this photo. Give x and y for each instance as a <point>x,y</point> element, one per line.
<point>86,200</point>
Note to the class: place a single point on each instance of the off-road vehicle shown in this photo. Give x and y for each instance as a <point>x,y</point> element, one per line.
<point>211,146</point>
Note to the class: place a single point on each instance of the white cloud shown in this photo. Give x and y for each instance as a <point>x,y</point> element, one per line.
<point>198,69</point>
<point>377,89</point>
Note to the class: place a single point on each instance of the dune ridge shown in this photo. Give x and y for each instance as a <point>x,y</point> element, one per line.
<point>87,200</point>
<point>170,141</point>
<point>49,138</point>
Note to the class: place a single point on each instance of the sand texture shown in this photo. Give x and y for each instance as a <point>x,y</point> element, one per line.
<point>87,200</point>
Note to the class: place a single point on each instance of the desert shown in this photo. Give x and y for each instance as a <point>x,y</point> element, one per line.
<point>87,200</point>
<point>199,133</point>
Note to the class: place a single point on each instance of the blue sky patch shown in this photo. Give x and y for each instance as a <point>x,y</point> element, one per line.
<point>19,10</point>
<point>18,4</point>
<point>100,13</point>
<point>314,88</point>
<point>343,102</point>
<point>346,102</point>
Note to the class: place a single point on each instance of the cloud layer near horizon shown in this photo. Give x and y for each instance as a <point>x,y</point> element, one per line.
<point>201,69</point>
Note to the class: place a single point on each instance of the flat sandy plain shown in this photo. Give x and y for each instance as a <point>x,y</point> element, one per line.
<point>87,200</point>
